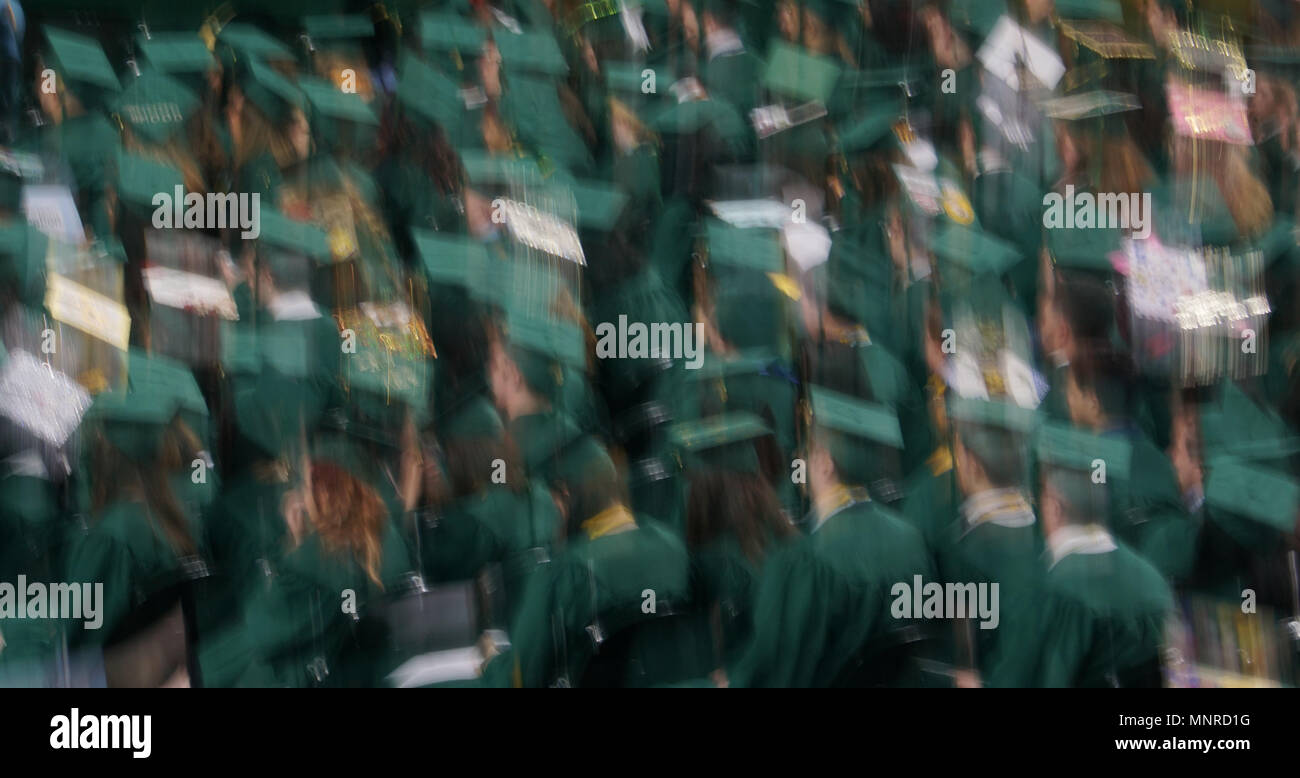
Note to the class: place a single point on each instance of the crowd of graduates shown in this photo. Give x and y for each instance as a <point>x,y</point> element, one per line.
<point>397,430</point>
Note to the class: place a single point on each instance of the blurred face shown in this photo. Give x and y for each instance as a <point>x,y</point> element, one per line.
<point>1038,10</point>
<point>817,37</point>
<point>690,27</point>
<point>1085,410</point>
<point>509,391</point>
<point>787,20</point>
<point>299,133</point>
<point>1050,509</point>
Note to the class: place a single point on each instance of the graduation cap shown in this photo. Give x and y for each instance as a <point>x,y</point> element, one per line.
<point>531,52</point>
<point>1208,114</point>
<point>865,130</point>
<point>451,33</point>
<point>452,260</point>
<point>692,116</point>
<point>1083,248</point>
<point>338,117</point>
<point>156,105</point>
<point>792,72</point>
<point>251,42</point>
<point>43,402</point>
<point>1080,466</point>
<point>389,373</point>
<point>140,179</point>
<point>973,249</point>
<point>545,350</point>
<point>993,429</point>
<point>158,389</point>
<point>1257,493</point>
<point>275,399</point>
<point>80,62</point>
<point>1108,10</point>
<point>22,261</point>
<point>485,169</point>
<point>745,249</point>
<point>722,442</point>
<point>176,54</point>
<point>300,237</point>
<point>273,94</point>
<point>328,28</point>
<point>853,431</point>
<point>477,418</point>
<point>428,94</point>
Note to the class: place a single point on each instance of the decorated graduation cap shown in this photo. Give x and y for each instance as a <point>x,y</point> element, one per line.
<point>530,52</point>
<point>158,390</point>
<point>431,97</point>
<point>273,94</point>
<point>1262,495</point>
<point>341,120</point>
<point>724,442</point>
<point>80,63</point>
<point>390,372</point>
<point>861,438</point>
<point>1081,467</point>
<point>156,105</point>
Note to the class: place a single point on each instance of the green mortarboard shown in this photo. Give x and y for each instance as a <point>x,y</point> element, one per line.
<point>557,340</point>
<point>322,28</point>
<point>722,442</point>
<point>864,130</point>
<point>627,78</point>
<point>338,117</point>
<point>176,53</point>
<point>581,460</point>
<point>792,72</point>
<point>156,105</point>
<point>274,394</point>
<point>281,232</point>
<point>22,261</point>
<point>140,179</point>
<point>993,413</point>
<point>1063,446</point>
<point>1107,10</point>
<point>80,61</point>
<point>856,418</point>
<point>477,418</point>
<point>1257,493</point>
<point>756,249</point>
<point>271,92</point>
<point>444,31</point>
<point>1083,248</point>
<point>535,52</point>
<point>385,377</point>
<point>600,206</point>
<point>1096,104</point>
<point>853,431</point>
<point>429,94</point>
<point>693,116</point>
<point>134,421</point>
<point>455,260</point>
<point>483,168</point>
<point>251,42</point>
<point>972,248</point>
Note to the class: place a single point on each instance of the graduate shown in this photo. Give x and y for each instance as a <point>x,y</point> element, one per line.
<point>1104,607</point>
<point>617,573</point>
<point>821,611</point>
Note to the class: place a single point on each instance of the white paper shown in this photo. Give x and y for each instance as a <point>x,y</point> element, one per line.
<point>1008,43</point>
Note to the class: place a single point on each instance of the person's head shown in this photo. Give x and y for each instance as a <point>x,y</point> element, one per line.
<point>718,15</point>
<point>140,472</point>
<point>1078,315</point>
<point>347,514</point>
<point>476,447</point>
<point>741,506</point>
<point>987,457</point>
<point>1097,389</point>
<point>585,483</point>
<point>512,392</point>
<point>1069,497</point>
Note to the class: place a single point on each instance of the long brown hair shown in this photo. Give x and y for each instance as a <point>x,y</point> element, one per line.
<point>349,515</point>
<point>118,478</point>
<point>742,505</point>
